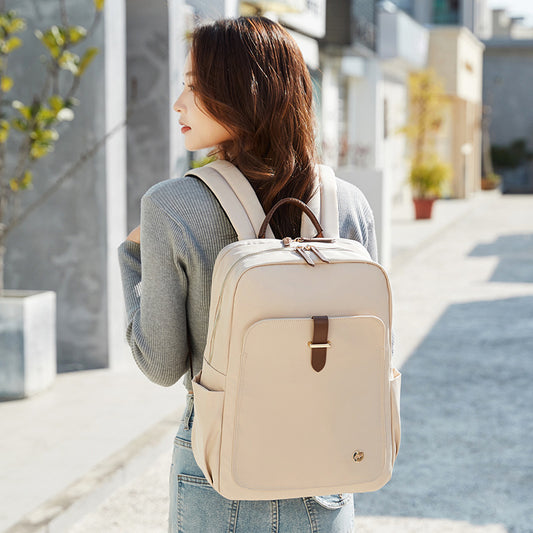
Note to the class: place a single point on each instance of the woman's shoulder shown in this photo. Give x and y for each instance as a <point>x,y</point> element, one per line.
<point>189,203</point>
<point>178,189</point>
<point>184,198</point>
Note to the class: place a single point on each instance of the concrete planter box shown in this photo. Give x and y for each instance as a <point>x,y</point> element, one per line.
<point>27,342</point>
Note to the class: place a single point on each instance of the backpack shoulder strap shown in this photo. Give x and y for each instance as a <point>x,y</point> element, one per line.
<point>324,205</point>
<point>329,207</point>
<point>236,196</point>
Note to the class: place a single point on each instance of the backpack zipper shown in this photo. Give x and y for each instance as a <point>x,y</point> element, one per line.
<point>242,258</point>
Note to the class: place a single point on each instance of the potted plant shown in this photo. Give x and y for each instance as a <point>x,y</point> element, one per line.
<point>428,173</point>
<point>427,179</point>
<point>27,318</point>
<point>490,181</point>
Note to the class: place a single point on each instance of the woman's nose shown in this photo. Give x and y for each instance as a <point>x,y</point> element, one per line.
<point>177,106</point>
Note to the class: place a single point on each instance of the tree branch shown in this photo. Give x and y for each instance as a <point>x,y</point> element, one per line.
<point>75,85</point>
<point>63,11</point>
<point>96,19</point>
<point>59,181</point>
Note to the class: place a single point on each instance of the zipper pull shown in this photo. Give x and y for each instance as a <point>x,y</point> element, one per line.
<point>318,253</point>
<point>305,255</point>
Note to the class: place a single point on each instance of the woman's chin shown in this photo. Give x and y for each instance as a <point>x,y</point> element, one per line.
<point>192,147</point>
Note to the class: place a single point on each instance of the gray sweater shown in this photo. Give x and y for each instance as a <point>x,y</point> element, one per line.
<point>167,279</point>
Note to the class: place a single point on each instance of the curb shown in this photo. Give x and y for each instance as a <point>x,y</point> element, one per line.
<point>66,508</point>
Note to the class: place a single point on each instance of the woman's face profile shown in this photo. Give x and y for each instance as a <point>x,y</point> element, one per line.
<point>199,128</point>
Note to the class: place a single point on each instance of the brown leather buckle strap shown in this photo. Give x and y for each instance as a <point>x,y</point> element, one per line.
<point>320,344</point>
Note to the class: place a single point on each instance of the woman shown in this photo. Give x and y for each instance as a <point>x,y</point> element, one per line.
<point>247,94</point>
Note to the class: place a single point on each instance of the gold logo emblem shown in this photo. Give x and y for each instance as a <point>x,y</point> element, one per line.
<point>358,456</point>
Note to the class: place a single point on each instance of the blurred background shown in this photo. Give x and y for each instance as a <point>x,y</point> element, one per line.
<point>415,100</point>
<point>361,55</point>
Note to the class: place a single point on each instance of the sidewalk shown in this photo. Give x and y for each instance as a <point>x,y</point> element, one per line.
<point>66,450</point>
<point>409,235</point>
<point>63,451</point>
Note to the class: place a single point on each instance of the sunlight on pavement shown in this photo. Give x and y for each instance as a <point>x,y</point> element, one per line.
<point>396,524</point>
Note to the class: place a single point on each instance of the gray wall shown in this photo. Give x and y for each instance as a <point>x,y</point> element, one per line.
<point>65,245</point>
<point>156,45</point>
<point>148,92</point>
<point>507,83</point>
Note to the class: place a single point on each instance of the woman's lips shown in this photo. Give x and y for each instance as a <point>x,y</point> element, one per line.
<point>185,129</point>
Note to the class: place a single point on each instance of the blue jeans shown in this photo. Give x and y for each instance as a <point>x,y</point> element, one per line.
<point>195,507</point>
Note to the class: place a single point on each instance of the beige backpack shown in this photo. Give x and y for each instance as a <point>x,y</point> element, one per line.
<point>296,396</point>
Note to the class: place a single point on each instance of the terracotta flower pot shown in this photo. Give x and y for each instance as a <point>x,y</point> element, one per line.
<point>423,207</point>
<point>489,185</point>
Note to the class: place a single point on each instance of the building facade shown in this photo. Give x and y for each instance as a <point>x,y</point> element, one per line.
<point>360,79</point>
<point>473,14</point>
<point>456,55</point>
<point>68,245</point>
<point>352,106</point>
<point>137,75</point>
<point>367,54</point>
<point>403,48</point>
<point>507,82</point>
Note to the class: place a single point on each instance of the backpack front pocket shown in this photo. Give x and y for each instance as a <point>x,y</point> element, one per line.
<point>298,427</point>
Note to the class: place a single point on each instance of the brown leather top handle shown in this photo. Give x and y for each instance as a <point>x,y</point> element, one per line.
<point>298,203</point>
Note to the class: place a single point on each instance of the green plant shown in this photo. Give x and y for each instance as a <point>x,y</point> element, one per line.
<point>426,112</point>
<point>427,178</point>
<point>29,129</point>
<point>197,163</point>
<point>512,155</point>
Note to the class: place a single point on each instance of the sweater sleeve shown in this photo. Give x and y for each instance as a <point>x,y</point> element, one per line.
<point>155,291</point>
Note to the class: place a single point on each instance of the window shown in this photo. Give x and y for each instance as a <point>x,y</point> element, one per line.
<point>446,11</point>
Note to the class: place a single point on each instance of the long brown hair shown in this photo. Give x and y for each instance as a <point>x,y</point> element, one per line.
<point>249,74</point>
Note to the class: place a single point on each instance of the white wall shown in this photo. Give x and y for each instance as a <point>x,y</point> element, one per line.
<point>469,67</point>
<point>396,150</point>
<point>115,172</point>
<point>330,111</point>
<point>365,97</point>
